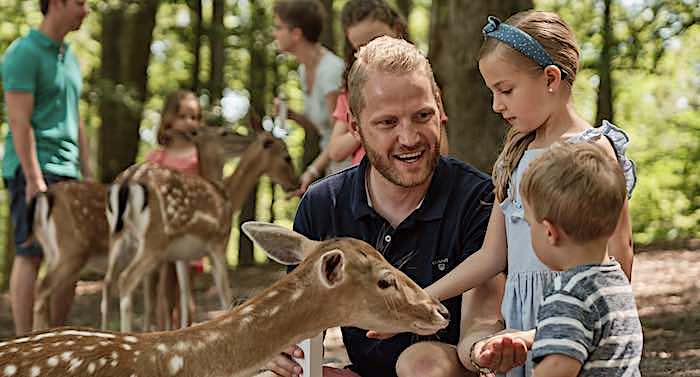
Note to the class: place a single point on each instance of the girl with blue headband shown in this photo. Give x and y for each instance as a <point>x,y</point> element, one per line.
<point>529,63</point>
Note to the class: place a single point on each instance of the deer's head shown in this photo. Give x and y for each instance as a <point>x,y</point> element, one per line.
<point>274,160</point>
<point>219,141</point>
<point>371,293</point>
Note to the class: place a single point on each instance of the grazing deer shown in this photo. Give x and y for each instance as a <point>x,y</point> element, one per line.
<point>340,282</point>
<point>173,217</point>
<point>69,219</point>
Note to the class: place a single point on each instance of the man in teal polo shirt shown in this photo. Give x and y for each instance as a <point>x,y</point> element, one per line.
<point>46,143</point>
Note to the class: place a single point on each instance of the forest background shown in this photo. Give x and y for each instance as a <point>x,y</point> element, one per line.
<point>640,69</point>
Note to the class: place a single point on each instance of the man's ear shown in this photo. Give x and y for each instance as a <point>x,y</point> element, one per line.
<point>355,128</point>
<point>553,77</point>
<point>297,34</point>
<point>553,233</point>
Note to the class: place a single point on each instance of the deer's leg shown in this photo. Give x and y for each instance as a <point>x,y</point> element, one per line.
<point>149,297</point>
<point>129,280</point>
<point>116,246</point>
<point>220,271</point>
<point>60,278</point>
<point>183,279</point>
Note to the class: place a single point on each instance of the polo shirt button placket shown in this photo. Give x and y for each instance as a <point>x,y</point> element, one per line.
<point>387,238</point>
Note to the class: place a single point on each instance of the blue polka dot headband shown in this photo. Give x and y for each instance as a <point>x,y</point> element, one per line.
<point>521,41</point>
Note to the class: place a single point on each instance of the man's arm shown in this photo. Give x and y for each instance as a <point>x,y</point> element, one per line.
<point>85,165</point>
<point>20,106</point>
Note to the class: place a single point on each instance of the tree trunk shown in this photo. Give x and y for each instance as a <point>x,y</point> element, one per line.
<point>605,87</point>
<point>328,34</point>
<point>216,40</point>
<point>108,152</point>
<point>257,84</point>
<point>132,33</point>
<point>9,254</point>
<point>475,131</point>
<point>197,44</point>
<point>405,8</point>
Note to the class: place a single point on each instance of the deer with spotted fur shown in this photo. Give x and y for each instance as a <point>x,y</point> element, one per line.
<point>340,282</point>
<point>168,216</point>
<point>69,219</point>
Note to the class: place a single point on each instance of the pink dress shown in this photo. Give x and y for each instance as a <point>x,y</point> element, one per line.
<point>342,114</point>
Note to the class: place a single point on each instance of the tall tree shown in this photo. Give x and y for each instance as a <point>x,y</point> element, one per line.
<point>328,34</point>
<point>258,86</point>
<point>605,88</point>
<point>126,38</point>
<point>216,40</point>
<point>196,7</point>
<point>405,7</point>
<point>475,132</point>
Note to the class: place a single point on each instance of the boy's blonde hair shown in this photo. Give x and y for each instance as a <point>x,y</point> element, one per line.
<point>577,187</point>
<point>388,55</point>
<point>557,38</point>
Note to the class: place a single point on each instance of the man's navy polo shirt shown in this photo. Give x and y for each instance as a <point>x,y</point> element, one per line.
<point>449,226</point>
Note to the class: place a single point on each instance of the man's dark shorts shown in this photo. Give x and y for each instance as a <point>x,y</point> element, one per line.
<point>18,210</point>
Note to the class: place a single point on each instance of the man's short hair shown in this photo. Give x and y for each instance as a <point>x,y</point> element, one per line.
<point>388,55</point>
<point>578,187</point>
<point>307,15</point>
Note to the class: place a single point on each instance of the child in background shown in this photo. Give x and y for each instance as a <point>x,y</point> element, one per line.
<point>588,323</point>
<point>529,63</point>
<point>363,21</point>
<point>181,112</point>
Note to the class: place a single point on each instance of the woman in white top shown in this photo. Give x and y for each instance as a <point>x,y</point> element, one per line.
<point>298,26</point>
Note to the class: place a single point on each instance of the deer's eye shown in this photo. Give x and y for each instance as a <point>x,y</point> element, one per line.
<point>383,284</point>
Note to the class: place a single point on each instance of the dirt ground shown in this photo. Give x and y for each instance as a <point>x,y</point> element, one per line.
<point>666,283</point>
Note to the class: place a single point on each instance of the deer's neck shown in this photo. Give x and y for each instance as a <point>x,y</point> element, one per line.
<point>239,184</point>
<point>210,167</point>
<point>247,336</point>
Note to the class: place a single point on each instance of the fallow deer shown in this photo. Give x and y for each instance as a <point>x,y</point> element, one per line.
<point>69,219</point>
<point>174,217</point>
<point>340,282</point>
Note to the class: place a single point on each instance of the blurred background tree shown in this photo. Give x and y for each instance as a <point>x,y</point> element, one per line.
<point>640,69</point>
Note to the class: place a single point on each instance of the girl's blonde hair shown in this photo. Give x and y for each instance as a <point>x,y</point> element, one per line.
<point>557,38</point>
<point>171,108</point>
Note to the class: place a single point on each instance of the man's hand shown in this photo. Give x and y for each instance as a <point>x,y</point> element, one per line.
<point>284,365</point>
<point>503,352</point>
<point>33,187</point>
<point>379,335</point>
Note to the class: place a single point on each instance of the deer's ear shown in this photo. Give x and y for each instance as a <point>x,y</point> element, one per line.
<point>332,268</point>
<point>279,243</point>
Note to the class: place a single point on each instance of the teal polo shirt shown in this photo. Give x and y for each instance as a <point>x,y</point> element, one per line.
<point>49,70</point>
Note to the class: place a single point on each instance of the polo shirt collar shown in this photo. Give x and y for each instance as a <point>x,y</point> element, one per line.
<point>432,206</point>
<point>43,40</point>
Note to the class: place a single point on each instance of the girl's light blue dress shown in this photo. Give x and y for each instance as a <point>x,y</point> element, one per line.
<point>527,276</point>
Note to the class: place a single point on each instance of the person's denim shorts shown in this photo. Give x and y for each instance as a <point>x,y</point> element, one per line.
<point>18,211</point>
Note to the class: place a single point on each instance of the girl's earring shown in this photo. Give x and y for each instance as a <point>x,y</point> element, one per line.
<point>550,90</point>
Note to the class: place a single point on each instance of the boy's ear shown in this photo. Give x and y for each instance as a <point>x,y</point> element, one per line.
<point>553,233</point>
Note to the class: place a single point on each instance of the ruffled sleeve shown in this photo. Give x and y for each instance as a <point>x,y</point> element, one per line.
<point>620,141</point>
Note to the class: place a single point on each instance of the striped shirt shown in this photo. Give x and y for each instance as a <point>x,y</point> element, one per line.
<point>590,315</point>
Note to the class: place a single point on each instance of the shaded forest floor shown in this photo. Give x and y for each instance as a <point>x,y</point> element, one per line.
<point>666,283</point>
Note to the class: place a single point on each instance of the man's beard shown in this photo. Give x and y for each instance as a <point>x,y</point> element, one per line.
<point>394,175</point>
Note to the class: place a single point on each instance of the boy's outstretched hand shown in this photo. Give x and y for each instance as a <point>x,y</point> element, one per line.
<point>503,352</point>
